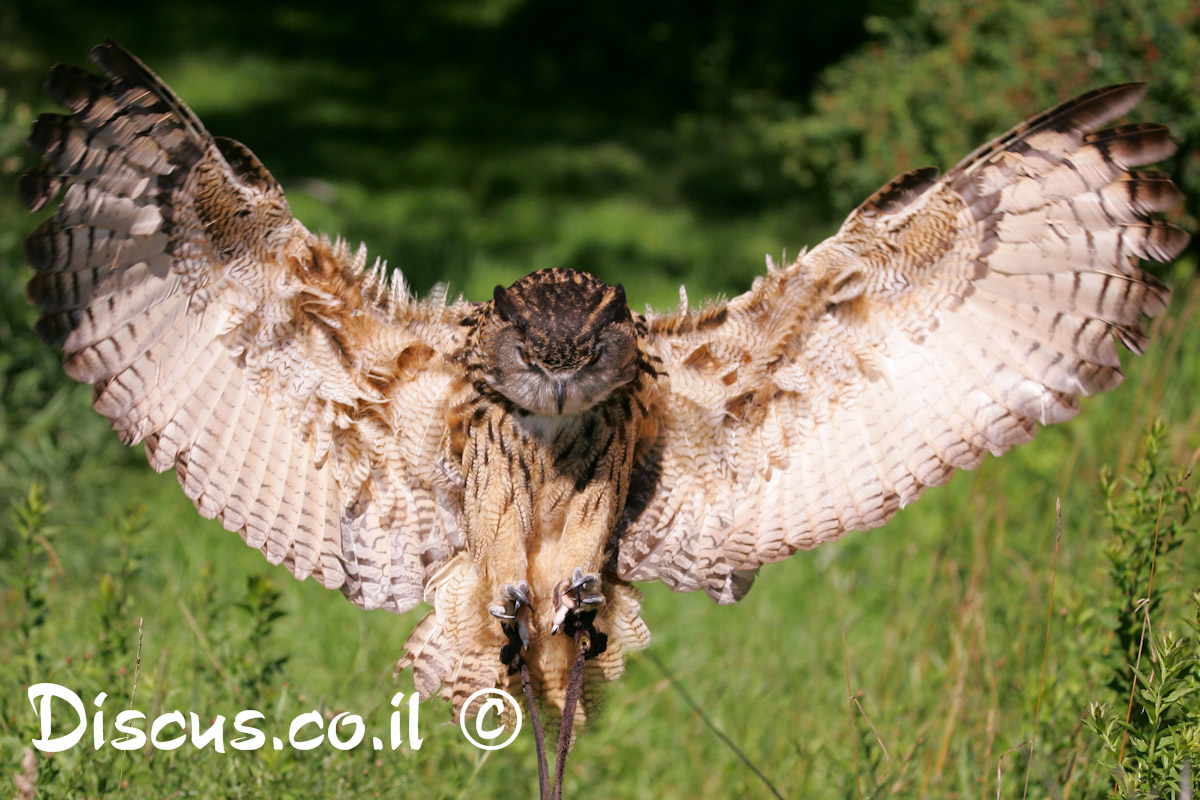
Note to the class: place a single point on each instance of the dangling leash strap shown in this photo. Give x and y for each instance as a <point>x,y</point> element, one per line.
<point>588,644</point>
<point>583,643</point>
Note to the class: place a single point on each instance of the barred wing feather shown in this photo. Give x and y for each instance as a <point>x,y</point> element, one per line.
<point>944,321</point>
<point>298,396</point>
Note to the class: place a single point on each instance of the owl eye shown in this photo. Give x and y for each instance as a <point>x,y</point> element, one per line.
<point>596,354</point>
<point>524,356</point>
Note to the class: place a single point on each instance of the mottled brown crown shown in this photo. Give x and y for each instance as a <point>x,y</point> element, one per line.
<point>561,313</point>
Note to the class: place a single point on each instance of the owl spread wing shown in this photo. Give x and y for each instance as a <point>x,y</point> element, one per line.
<point>299,398</point>
<point>943,321</point>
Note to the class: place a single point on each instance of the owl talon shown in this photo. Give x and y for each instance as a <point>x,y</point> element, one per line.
<point>517,592</point>
<point>579,593</point>
<point>515,612</point>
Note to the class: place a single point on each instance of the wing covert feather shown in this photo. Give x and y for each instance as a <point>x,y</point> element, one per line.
<point>944,321</point>
<point>298,396</point>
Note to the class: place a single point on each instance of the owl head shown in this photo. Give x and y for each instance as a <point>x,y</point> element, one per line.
<point>559,342</point>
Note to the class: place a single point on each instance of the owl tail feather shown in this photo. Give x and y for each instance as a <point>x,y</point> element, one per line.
<point>454,650</point>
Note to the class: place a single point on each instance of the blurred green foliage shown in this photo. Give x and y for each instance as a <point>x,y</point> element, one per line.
<point>475,140</point>
<point>1150,519</point>
<point>1152,753</point>
<point>944,78</point>
<point>1149,722</point>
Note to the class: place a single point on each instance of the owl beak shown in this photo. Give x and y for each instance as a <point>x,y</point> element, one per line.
<point>560,394</point>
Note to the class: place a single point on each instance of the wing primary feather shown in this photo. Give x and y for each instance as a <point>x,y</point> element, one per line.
<point>944,320</point>
<point>244,351</point>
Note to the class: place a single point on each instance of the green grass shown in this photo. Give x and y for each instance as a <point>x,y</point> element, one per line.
<point>936,622</point>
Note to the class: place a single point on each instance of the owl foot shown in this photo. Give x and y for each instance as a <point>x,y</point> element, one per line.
<point>514,612</point>
<point>574,595</point>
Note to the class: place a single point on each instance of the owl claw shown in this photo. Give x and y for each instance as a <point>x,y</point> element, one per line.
<point>580,592</point>
<point>500,612</point>
<point>518,593</point>
<point>515,612</point>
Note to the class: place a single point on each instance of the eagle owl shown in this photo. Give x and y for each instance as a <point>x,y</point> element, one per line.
<point>518,463</point>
